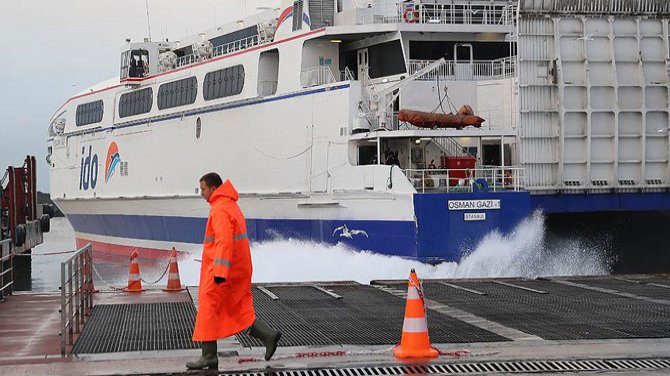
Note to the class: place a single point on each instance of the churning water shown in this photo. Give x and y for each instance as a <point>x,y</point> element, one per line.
<point>523,253</point>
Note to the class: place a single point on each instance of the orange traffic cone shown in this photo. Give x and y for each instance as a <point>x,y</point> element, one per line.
<point>174,284</point>
<point>134,279</point>
<point>415,342</point>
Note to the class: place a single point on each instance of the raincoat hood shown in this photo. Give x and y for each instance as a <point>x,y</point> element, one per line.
<point>225,190</point>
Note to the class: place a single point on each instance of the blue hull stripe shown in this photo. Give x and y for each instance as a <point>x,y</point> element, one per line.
<point>380,234</point>
<point>439,234</point>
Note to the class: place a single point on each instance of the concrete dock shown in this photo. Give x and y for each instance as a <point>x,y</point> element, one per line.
<point>610,325</point>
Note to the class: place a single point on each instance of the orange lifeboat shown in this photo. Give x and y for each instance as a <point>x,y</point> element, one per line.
<point>463,118</point>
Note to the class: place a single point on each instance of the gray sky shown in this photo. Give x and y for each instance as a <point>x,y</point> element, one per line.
<point>53,49</point>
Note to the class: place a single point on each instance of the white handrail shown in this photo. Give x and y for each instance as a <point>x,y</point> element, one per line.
<point>498,178</point>
<point>316,76</point>
<point>458,70</point>
<point>453,13</point>
<point>6,268</point>
<point>224,49</point>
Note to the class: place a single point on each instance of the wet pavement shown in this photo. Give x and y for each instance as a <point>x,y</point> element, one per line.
<point>609,325</point>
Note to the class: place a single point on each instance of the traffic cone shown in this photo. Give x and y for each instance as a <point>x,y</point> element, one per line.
<point>174,284</point>
<point>134,279</point>
<point>415,342</point>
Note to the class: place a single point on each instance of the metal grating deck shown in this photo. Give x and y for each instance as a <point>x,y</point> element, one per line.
<point>363,316</point>
<point>484,368</point>
<point>138,327</point>
<point>562,313</point>
<point>638,288</point>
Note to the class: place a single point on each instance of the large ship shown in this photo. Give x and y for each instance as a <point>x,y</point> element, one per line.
<point>408,128</point>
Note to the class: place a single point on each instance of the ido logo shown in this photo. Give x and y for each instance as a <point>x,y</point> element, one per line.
<point>88,172</point>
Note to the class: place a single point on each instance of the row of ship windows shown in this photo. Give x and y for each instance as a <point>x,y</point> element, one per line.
<point>218,84</point>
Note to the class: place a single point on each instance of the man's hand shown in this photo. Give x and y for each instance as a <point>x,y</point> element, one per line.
<point>219,280</point>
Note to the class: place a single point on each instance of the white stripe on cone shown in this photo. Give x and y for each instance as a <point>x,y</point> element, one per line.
<point>413,293</point>
<point>134,277</point>
<point>173,276</point>
<point>415,325</point>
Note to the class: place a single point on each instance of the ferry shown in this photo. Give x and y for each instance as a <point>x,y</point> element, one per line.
<point>404,128</point>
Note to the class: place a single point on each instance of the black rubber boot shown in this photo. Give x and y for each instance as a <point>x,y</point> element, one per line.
<point>209,358</point>
<point>267,335</point>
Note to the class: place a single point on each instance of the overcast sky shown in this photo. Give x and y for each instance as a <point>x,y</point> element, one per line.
<point>53,49</point>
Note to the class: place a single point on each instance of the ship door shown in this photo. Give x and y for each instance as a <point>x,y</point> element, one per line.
<point>464,66</point>
<point>363,64</point>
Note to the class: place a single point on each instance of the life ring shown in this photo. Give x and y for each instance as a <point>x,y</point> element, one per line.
<point>410,15</point>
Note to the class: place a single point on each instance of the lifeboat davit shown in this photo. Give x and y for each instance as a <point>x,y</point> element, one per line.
<point>463,118</point>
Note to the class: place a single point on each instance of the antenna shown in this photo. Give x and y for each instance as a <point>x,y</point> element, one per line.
<point>146,2</point>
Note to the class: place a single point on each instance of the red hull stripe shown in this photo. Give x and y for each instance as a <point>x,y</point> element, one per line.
<point>108,249</point>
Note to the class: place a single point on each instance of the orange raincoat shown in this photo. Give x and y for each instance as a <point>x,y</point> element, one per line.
<point>227,308</point>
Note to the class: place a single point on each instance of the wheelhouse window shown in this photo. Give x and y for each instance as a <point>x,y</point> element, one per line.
<point>136,102</point>
<point>134,64</point>
<point>177,93</point>
<point>89,113</point>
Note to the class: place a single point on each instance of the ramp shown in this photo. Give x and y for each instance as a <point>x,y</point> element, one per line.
<point>138,327</point>
<point>348,314</point>
<point>561,309</point>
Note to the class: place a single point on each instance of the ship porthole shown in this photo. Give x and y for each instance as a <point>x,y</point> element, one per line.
<point>198,128</point>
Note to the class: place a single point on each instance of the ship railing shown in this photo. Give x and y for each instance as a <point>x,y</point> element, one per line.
<point>6,269</point>
<point>224,49</point>
<point>316,76</point>
<point>482,12</point>
<point>441,180</point>
<point>347,75</point>
<point>466,71</point>
<point>76,295</point>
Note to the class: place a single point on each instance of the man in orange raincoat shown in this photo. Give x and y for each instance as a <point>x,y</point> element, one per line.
<point>225,305</point>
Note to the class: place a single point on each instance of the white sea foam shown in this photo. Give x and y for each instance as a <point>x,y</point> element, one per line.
<point>522,253</point>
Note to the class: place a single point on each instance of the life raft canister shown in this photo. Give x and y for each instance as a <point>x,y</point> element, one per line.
<point>410,15</point>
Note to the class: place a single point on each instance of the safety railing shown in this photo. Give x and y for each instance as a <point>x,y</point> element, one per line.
<point>6,269</point>
<point>346,75</point>
<point>466,71</point>
<point>223,49</point>
<point>471,12</point>
<point>316,76</point>
<point>498,178</point>
<point>76,294</point>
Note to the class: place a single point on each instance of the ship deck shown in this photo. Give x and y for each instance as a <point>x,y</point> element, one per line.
<point>610,325</point>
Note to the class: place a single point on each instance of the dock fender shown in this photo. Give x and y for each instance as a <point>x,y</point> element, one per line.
<point>20,235</point>
<point>45,222</point>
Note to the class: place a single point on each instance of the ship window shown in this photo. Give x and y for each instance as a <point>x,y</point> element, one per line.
<point>297,15</point>
<point>89,113</point>
<point>125,60</point>
<point>223,83</point>
<point>177,93</point>
<point>386,59</point>
<point>136,102</point>
<point>139,63</point>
